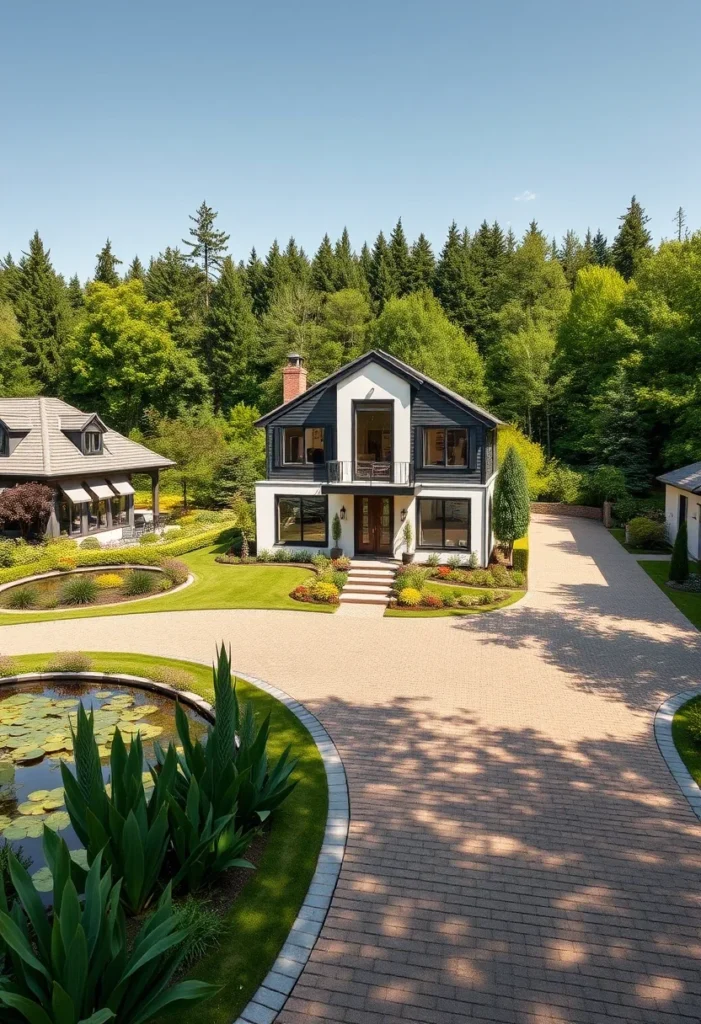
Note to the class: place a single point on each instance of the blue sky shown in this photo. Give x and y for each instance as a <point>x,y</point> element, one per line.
<point>298,118</point>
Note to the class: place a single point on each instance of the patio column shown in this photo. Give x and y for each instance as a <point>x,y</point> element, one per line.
<point>155,474</point>
<point>53,528</point>
<point>130,510</point>
<point>108,512</point>
<point>84,512</point>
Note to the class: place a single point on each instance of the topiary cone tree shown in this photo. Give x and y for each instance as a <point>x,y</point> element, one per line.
<point>679,566</point>
<point>512,507</point>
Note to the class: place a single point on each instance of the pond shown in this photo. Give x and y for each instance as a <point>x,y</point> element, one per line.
<point>84,589</point>
<point>35,736</point>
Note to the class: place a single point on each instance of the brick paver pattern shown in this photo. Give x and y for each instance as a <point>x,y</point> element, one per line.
<point>518,849</point>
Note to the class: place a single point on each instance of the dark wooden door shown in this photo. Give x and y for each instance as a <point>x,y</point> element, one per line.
<point>373,525</point>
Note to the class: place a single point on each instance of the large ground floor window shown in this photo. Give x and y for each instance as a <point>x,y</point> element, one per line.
<point>302,520</point>
<point>444,523</point>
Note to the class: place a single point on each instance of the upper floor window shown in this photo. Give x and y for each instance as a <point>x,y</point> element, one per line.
<point>303,446</point>
<point>92,442</point>
<point>4,442</point>
<point>446,446</point>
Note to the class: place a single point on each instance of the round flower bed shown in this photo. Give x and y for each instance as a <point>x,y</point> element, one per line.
<point>82,588</point>
<point>691,585</point>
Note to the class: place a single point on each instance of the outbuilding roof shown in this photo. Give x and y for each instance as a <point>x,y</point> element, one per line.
<point>45,450</point>
<point>688,478</point>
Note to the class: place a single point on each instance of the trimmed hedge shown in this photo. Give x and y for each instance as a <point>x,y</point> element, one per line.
<point>520,554</point>
<point>137,555</point>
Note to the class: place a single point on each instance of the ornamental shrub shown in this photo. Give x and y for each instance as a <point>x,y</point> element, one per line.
<point>413,578</point>
<point>303,556</point>
<point>301,592</point>
<point>473,561</point>
<point>283,555</point>
<point>519,556</point>
<point>149,538</point>
<point>692,720</point>
<point>454,562</point>
<point>109,580</point>
<point>433,559</point>
<point>264,556</point>
<point>325,592</point>
<point>679,566</point>
<point>321,562</point>
<point>70,661</point>
<point>443,571</point>
<point>138,582</point>
<point>23,597</point>
<point>487,597</point>
<point>177,572</point>
<point>643,533</point>
<point>7,554</point>
<point>64,563</point>
<point>80,589</point>
<point>518,578</point>
<point>482,578</point>
<point>511,509</point>
<point>90,544</point>
<point>469,601</point>
<point>409,596</point>
<point>501,576</point>
<point>343,563</point>
<point>432,601</point>
<point>8,666</point>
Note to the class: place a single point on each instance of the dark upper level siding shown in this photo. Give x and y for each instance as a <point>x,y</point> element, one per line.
<point>431,409</point>
<point>319,411</point>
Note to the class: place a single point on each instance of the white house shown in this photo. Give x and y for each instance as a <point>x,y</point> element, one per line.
<point>378,443</point>
<point>683,502</point>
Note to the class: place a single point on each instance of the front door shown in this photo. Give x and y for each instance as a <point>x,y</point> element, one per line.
<point>373,525</point>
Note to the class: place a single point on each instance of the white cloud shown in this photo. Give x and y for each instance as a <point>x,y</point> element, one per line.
<point>525,197</point>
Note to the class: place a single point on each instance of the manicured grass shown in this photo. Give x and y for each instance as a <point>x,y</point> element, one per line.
<point>689,749</point>
<point>256,927</point>
<point>688,604</point>
<point>215,586</point>
<point>620,534</point>
<point>441,589</point>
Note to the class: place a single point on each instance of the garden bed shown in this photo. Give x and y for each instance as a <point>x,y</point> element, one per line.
<point>454,601</point>
<point>94,587</point>
<point>688,602</point>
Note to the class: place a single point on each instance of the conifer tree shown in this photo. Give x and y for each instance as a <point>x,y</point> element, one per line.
<point>401,264</point>
<point>422,264</point>
<point>382,283</point>
<point>346,271</point>
<point>365,265</point>
<point>587,253</point>
<point>511,510</point>
<point>600,246</point>
<point>324,267</point>
<point>510,242</point>
<point>632,243</point>
<point>76,296</point>
<point>255,283</point>
<point>106,266</point>
<point>618,433</point>
<point>43,313</point>
<point>680,228</point>
<point>570,256</point>
<point>209,245</point>
<point>10,278</point>
<point>172,278</point>
<point>297,261</point>
<point>679,565</point>
<point>15,379</point>
<point>277,274</point>
<point>230,341</point>
<point>136,271</point>
<point>456,282</point>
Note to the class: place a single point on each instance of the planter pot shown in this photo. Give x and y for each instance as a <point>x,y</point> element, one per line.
<point>336,552</point>
<point>407,557</point>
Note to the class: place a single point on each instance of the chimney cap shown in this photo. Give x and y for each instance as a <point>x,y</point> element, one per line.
<point>294,359</point>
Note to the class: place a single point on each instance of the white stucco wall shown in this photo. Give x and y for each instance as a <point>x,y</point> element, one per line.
<point>373,383</point>
<point>693,517</point>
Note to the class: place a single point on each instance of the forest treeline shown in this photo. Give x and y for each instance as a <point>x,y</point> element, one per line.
<point>591,348</point>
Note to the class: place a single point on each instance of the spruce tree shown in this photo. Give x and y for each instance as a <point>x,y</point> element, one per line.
<point>680,228</point>
<point>74,291</point>
<point>346,271</point>
<point>277,274</point>
<point>632,243</point>
<point>297,261</point>
<point>511,509</point>
<point>600,246</point>
<point>323,274</point>
<point>570,256</point>
<point>587,253</point>
<point>255,283</point>
<point>106,266</point>
<point>209,245</point>
<point>365,266</point>
<point>382,283</point>
<point>618,433</point>
<point>401,263</point>
<point>172,278</point>
<point>422,264</point>
<point>456,284</point>
<point>230,342</point>
<point>43,313</point>
<point>136,271</point>
<point>679,565</point>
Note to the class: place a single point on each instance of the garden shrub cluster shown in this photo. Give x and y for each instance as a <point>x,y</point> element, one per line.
<point>519,556</point>
<point>646,533</point>
<point>411,597</point>
<point>410,586</point>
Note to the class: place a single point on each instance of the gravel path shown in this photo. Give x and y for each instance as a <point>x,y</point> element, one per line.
<point>518,850</point>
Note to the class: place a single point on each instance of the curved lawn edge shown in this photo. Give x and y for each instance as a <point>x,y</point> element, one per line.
<point>271,929</point>
<point>667,734</point>
<point>94,569</point>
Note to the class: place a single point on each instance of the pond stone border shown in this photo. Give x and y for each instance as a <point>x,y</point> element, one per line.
<point>273,992</point>
<point>665,741</point>
<point>82,607</point>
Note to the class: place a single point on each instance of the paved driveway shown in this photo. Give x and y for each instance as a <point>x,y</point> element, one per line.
<point>518,850</point>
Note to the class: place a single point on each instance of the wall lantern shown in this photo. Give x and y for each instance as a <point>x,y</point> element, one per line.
<point>342,512</point>
<point>403,514</point>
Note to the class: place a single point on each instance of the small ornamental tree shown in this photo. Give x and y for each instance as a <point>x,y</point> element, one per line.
<point>512,511</point>
<point>679,566</point>
<point>244,521</point>
<point>27,504</point>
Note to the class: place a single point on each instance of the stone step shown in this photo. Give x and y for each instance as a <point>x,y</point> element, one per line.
<point>366,588</point>
<point>362,598</point>
<point>379,581</point>
<point>375,574</point>
<point>370,563</point>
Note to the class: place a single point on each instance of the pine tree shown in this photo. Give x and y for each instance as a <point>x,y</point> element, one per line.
<point>602,255</point>
<point>43,313</point>
<point>511,509</point>
<point>172,278</point>
<point>679,565</point>
<point>209,245</point>
<point>230,341</point>
<point>277,274</point>
<point>422,264</point>
<point>587,253</point>
<point>106,267</point>
<point>346,273</point>
<point>76,296</point>
<point>401,263</point>
<point>456,283</point>
<point>297,261</point>
<point>632,243</point>
<point>365,265</point>
<point>382,283</point>
<point>136,271</point>
<point>510,242</point>
<point>680,224</point>
<point>255,283</point>
<point>570,256</point>
<point>324,267</point>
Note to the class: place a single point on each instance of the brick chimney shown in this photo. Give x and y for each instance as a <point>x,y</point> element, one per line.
<point>294,377</point>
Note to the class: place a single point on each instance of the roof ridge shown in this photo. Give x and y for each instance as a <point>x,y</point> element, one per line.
<point>46,450</point>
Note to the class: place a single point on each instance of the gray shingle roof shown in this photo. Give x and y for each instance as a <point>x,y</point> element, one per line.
<point>46,451</point>
<point>688,478</point>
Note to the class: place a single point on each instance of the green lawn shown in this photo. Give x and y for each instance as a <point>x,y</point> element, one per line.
<point>689,749</point>
<point>255,929</point>
<point>620,534</point>
<point>688,604</point>
<point>216,586</point>
<point>440,589</point>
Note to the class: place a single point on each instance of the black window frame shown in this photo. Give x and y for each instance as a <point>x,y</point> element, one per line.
<point>4,442</point>
<point>444,465</point>
<point>301,498</point>
<point>304,427</point>
<point>442,546</point>
<point>86,435</point>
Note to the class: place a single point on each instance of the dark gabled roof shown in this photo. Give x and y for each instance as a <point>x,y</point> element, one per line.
<point>688,478</point>
<point>394,365</point>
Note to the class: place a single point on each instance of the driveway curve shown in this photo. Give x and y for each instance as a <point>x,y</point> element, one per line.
<point>518,849</point>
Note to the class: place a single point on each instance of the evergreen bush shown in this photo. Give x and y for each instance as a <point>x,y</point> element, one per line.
<point>511,513</point>
<point>679,566</point>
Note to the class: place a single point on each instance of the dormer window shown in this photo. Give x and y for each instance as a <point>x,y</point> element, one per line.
<point>4,442</point>
<point>92,442</point>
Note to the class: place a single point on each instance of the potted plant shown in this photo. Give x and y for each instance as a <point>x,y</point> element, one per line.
<point>336,531</point>
<point>408,535</point>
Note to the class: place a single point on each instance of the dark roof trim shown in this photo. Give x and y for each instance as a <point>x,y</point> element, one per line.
<point>392,364</point>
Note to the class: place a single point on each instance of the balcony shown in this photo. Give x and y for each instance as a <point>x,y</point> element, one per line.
<point>375,474</point>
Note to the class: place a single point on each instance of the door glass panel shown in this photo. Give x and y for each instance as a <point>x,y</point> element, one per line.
<point>385,531</point>
<point>365,521</point>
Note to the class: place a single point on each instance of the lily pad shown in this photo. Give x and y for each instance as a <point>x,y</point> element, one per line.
<point>15,831</point>
<point>80,856</point>
<point>34,828</point>
<point>7,772</point>
<point>58,820</point>
<point>103,694</point>
<point>39,795</point>
<point>32,755</point>
<point>30,808</point>
<point>43,880</point>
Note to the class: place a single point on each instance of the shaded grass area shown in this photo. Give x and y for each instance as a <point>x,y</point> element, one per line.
<point>687,603</point>
<point>689,749</point>
<point>620,534</point>
<point>215,586</point>
<point>442,589</point>
<point>257,925</point>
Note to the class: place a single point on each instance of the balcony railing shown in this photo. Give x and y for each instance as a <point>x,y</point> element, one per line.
<point>339,472</point>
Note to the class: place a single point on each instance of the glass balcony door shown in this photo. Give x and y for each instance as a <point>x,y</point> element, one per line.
<point>373,441</point>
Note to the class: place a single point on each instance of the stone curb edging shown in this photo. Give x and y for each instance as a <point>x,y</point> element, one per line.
<point>87,568</point>
<point>665,741</point>
<point>282,977</point>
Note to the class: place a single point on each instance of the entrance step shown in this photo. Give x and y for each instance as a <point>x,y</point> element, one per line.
<point>366,588</point>
<point>346,598</point>
<point>369,582</point>
<point>374,563</point>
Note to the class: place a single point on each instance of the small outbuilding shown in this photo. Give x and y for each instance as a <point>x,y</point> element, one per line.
<point>683,504</point>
